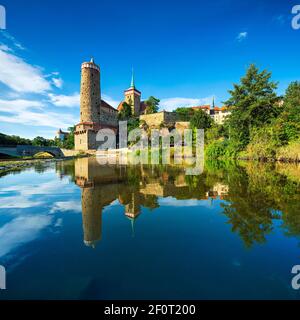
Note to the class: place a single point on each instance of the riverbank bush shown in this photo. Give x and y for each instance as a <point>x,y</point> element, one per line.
<point>262,125</point>
<point>221,149</point>
<point>291,152</point>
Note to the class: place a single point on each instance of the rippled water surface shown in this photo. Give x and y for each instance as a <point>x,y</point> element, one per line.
<point>77,230</point>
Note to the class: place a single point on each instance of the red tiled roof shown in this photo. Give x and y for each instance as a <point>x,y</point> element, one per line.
<point>224,108</point>
<point>120,106</point>
<point>207,107</point>
<point>201,107</point>
<point>143,106</point>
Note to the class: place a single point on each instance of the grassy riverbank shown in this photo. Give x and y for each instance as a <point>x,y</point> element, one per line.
<point>17,164</point>
<point>263,150</point>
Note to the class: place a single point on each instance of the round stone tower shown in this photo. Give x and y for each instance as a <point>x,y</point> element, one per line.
<point>91,215</point>
<point>90,95</point>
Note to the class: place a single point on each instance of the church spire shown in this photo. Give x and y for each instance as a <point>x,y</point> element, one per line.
<point>213,104</point>
<point>132,80</point>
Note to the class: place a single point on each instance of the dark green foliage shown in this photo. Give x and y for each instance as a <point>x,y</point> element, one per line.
<point>221,150</point>
<point>215,132</point>
<point>253,104</point>
<point>132,124</point>
<point>6,140</point>
<point>184,114</point>
<point>261,123</point>
<point>126,112</point>
<point>288,123</point>
<point>41,142</point>
<point>200,120</point>
<point>68,143</point>
<point>152,105</point>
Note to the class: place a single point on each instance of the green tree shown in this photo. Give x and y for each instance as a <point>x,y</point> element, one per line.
<point>292,95</point>
<point>13,140</point>
<point>253,104</point>
<point>201,120</point>
<point>215,132</point>
<point>184,114</point>
<point>132,124</point>
<point>69,142</point>
<point>40,142</point>
<point>288,123</point>
<point>152,105</point>
<point>126,112</point>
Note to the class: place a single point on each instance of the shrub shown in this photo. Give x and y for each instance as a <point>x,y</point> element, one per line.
<point>291,152</point>
<point>263,143</point>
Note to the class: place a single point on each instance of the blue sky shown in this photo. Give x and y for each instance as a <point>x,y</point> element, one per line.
<point>183,52</point>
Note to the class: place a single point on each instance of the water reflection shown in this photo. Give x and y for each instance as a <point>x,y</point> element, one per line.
<point>252,196</point>
<point>231,232</point>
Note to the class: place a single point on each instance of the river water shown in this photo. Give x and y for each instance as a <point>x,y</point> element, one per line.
<point>77,230</point>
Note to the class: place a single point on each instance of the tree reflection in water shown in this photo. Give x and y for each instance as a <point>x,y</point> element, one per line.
<point>253,195</point>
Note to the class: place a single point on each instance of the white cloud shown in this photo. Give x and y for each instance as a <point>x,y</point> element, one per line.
<point>20,76</point>
<point>64,206</point>
<point>4,47</point>
<point>20,231</point>
<point>12,39</point>
<point>31,113</point>
<point>59,223</point>
<point>52,187</point>
<point>173,202</point>
<point>58,82</point>
<point>22,196</point>
<point>19,104</point>
<point>171,104</point>
<point>64,100</point>
<point>242,36</point>
<point>18,202</point>
<point>73,100</point>
<point>49,119</point>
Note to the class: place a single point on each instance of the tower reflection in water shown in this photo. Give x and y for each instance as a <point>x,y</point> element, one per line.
<point>133,187</point>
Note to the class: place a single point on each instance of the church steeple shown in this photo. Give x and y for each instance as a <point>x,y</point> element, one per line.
<point>133,97</point>
<point>132,80</point>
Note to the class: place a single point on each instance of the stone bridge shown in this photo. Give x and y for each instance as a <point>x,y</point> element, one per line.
<point>19,151</point>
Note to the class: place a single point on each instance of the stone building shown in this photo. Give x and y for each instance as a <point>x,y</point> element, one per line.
<point>95,113</point>
<point>61,135</point>
<point>218,114</point>
<point>155,120</point>
<point>133,98</point>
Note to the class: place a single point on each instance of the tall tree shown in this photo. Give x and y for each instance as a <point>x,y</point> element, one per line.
<point>126,112</point>
<point>40,142</point>
<point>184,114</point>
<point>69,142</point>
<point>253,104</point>
<point>201,120</point>
<point>288,123</point>
<point>152,105</point>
